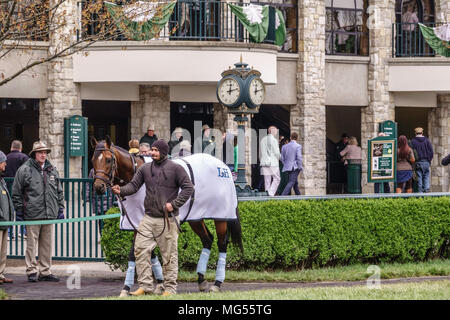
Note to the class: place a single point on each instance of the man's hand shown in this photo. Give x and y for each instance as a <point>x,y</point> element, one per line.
<point>116,189</point>
<point>169,207</point>
<point>60,213</point>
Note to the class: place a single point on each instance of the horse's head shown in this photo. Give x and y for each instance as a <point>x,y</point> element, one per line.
<point>105,164</point>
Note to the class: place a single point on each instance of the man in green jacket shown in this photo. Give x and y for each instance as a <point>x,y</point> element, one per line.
<point>6,214</point>
<point>37,194</point>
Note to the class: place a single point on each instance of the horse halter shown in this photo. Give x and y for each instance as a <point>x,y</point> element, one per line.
<point>111,174</point>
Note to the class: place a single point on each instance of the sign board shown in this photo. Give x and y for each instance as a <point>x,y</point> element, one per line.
<point>389,127</point>
<point>382,166</point>
<point>77,136</point>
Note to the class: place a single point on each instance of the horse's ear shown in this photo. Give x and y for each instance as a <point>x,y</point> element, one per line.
<point>108,141</point>
<point>93,142</point>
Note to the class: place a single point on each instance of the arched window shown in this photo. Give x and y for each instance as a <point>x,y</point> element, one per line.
<point>346,27</point>
<point>409,41</point>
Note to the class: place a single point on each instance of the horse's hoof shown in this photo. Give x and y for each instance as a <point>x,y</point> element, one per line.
<point>124,293</point>
<point>202,286</point>
<point>214,288</point>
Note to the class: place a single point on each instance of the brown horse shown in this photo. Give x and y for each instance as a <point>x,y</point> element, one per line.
<point>114,165</point>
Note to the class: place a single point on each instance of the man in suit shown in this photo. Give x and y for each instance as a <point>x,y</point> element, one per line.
<point>291,156</point>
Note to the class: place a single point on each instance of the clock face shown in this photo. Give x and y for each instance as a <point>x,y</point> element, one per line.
<point>229,91</point>
<point>257,91</point>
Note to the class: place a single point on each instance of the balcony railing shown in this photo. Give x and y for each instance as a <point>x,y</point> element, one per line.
<point>202,20</point>
<point>408,41</point>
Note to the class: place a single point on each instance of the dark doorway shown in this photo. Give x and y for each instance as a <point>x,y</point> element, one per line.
<point>410,118</point>
<point>269,115</point>
<point>183,114</point>
<point>19,120</point>
<point>108,118</point>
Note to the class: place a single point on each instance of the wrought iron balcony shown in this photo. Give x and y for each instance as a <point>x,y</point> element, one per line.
<point>202,20</point>
<point>408,41</point>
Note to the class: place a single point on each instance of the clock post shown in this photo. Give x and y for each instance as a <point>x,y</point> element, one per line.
<point>242,91</point>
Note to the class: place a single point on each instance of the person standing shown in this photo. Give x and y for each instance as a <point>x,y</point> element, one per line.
<point>352,155</point>
<point>6,214</point>
<point>405,161</point>
<point>162,178</point>
<point>269,157</point>
<point>177,137</point>
<point>425,154</point>
<point>15,158</point>
<point>291,157</point>
<point>150,136</point>
<point>37,182</point>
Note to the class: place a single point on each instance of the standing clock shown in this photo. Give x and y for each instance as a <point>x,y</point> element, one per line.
<point>229,91</point>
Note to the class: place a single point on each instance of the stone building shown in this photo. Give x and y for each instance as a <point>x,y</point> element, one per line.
<point>346,66</point>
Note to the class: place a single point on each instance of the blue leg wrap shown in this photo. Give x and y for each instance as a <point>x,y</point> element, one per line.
<point>129,278</point>
<point>157,269</point>
<point>203,261</point>
<point>221,264</point>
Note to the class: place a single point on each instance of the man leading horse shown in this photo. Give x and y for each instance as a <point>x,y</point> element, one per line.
<point>159,226</point>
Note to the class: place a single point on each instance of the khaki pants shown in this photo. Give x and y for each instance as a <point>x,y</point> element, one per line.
<point>168,245</point>
<point>39,240</point>
<point>3,248</point>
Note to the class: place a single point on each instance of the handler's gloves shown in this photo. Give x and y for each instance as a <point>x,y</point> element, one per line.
<point>61,213</point>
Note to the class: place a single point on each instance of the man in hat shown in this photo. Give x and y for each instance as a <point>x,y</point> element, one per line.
<point>6,214</point>
<point>425,154</point>
<point>150,136</point>
<point>177,137</point>
<point>159,227</point>
<point>37,181</point>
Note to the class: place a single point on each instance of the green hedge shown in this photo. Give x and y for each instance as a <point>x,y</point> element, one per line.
<point>312,233</point>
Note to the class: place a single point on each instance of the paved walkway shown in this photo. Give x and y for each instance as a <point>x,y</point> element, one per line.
<point>97,280</point>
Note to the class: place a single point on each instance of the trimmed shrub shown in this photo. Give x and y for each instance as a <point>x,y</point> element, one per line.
<point>292,234</point>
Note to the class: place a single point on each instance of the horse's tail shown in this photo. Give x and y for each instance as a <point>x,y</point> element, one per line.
<point>235,231</point>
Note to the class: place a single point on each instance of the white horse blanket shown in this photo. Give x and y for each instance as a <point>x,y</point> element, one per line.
<point>215,194</point>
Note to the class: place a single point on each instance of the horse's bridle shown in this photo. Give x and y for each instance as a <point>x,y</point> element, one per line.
<point>111,174</point>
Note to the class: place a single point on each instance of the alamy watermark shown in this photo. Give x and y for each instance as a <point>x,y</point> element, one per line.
<point>74,280</point>
<point>374,282</point>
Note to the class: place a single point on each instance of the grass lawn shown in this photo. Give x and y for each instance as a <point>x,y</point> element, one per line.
<point>3,295</point>
<point>427,290</point>
<point>347,273</point>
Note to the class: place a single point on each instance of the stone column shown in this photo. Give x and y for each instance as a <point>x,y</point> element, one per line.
<point>381,102</point>
<point>308,116</point>
<point>442,11</point>
<point>64,99</point>
<point>153,107</point>
<point>439,133</point>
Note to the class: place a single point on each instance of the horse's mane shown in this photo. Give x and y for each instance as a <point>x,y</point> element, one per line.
<point>102,145</point>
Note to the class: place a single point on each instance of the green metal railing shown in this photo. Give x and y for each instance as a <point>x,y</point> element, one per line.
<point>408,41</point>
<point>199,20</point>
<point>73,240</point>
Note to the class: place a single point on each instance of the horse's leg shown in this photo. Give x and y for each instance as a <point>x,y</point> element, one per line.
<point>222,241</point>
<point>129,277</point>
<point>207,238</point>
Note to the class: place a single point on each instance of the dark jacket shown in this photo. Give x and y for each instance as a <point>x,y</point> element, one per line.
<point>173,143</point>
<point>6,204</point>
<point>423,147</point>
<point>37,193</point>
<point>446,160</point>
<point>14,160</point>
<point>148,139</point>
<point>162,182</point>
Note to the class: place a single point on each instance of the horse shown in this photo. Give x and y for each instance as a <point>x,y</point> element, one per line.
<point>114,165</point>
